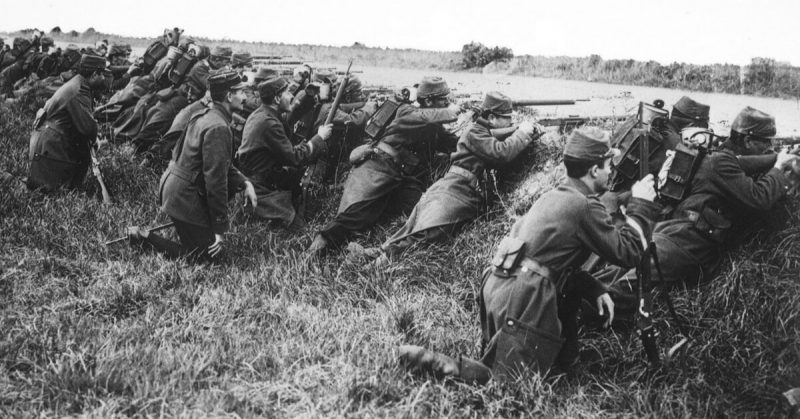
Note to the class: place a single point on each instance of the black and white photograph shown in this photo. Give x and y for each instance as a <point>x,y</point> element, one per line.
<point>416,209</point>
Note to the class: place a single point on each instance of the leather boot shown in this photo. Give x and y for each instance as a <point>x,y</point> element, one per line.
<point>420,360</point>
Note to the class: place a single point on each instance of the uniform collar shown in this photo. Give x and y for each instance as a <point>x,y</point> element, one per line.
<point>580,186</point>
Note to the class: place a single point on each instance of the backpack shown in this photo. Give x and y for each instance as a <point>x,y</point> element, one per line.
<point>649,123</point>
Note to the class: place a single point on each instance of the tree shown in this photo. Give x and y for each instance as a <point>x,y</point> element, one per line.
<point>56,30</point>
<point>476,54</point>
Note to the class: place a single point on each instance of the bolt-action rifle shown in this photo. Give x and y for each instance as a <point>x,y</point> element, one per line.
<point>307,176</point>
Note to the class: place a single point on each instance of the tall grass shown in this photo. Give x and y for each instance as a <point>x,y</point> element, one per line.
<point>90,330</point>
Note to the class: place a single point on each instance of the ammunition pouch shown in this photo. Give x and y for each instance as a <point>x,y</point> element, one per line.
<point>381,119</point>
<point>627,165</point>
<point>677,172</point>
<point>180,68</point>
<point>709,222</point>
<point>509,254</point>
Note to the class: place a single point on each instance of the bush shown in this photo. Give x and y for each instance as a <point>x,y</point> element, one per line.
<point>478,55</point>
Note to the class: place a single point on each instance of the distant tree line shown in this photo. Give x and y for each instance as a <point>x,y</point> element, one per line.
<point>478,55</point>
<point>762,77</point>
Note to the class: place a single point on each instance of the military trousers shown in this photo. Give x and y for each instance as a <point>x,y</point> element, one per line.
<point>375,189</point>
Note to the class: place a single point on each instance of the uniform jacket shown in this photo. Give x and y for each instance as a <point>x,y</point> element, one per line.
<point>159,118</point>
<point>723,193</point>
<point>68,115</point>
<point>567,224</point>
<point>266,147</point>
<point>455,198</point>
<point>419,132</point>
<point>201,178</point>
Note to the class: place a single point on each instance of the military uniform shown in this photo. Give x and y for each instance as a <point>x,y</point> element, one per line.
<point>195,189</point>
<point>392,179</point>
<point>460,195</point>
<point>63,132</point>
<point>724,194</point>
<point>528,297</point>
<point>159,118</point>
<point>273,163</point>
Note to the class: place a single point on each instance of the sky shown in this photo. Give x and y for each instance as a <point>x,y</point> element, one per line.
<point>698,32</point>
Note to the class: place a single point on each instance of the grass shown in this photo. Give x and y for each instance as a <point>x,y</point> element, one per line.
<point>88,330</point>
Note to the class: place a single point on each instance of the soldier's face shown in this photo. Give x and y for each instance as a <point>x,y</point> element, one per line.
<point>499,121</point>
<point>237,98</point>
<point>285,101</point>
<point>601,175</point>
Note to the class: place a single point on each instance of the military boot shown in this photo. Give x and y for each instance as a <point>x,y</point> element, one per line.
<point>420,360</point>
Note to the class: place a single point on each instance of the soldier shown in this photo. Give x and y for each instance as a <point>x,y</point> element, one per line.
<point>195,188</point>
<point>459,196</point>
<point>529,297</point>
<point>268,157</point>
<point>161,115</point>
<point>390,179</point>
<point>196,83</point>
<point>220,57</point>
<point>348,126</point>
<point>15,70</point>
<point>65,129</point>
<point>723,197</point>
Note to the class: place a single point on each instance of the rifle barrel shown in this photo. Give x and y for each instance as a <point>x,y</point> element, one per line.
<point>546,102</point>
<point>152,230</point>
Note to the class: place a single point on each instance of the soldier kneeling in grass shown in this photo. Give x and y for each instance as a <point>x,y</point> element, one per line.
<point>201,178</point>
<point>530,295</point>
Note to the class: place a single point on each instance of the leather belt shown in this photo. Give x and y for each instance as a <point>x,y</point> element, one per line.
<point>530,265</point>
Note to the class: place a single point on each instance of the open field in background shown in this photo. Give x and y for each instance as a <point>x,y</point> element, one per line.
<point>115,332</point>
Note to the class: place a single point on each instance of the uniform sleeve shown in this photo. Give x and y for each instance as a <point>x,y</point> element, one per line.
<point>620,245</point>
<point>761,163</point>
<point>217,149</point>
<point>414,116</point>
<point>288,153</point>
<point>758,195</point>
<point>481,143</point>
<point>80,112</point>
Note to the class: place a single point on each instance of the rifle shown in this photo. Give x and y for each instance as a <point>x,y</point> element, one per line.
<point>152,230</point>
<point>99,176</point>
<point>545,102</point>
<point>306,180</point>
<point>644,320</point>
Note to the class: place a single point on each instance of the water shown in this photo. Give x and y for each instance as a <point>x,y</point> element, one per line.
<point>606,99</point>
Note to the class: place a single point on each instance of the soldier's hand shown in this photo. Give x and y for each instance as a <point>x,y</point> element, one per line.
<point>216,247</point>
<point>785,159</point>
<point>606,301</point>
<point>644,189</point>
<point>250,193</point>
<point>325,131</point>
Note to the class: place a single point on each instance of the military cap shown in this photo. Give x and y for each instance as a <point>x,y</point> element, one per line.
<point>272,87</point>
<point>225,79</point>
<point>72,47</point>
<point>589,144</point>
<point>498,104</point>
<point>241,58</point>
<point>690,109</point>
<point>432,87</point>
<point>46,41</point>
<point>92,63</point>
<point>264,73</point>
<point>185,44</point>
<point>198,78</point>
<point>324,76</point>
<point>753,122</point>
<point>221,52</point>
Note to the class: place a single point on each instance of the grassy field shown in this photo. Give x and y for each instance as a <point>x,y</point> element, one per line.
<point>88,330</point>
